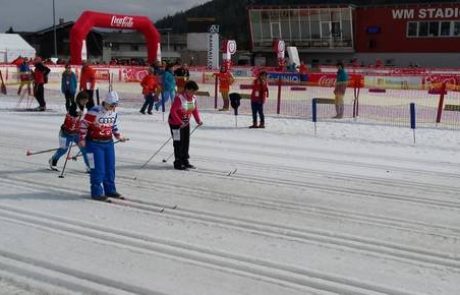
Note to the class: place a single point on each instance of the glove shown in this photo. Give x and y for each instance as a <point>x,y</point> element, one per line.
<point>200,123</point>
<point>122,139</point>
<point>82,143</point>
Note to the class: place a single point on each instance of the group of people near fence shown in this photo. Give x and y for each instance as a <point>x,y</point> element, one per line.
<point>38,77</point>
<point>161,84</point>
<point>93,131</point>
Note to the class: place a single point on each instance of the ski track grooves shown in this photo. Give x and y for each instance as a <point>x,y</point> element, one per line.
<point>227,261</point>
<point>336,188</point>
<point>307,235</point>
<point>77,281</point>
<point>276,204</point>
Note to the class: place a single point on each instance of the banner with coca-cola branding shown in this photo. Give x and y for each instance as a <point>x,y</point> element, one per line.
<point>122,22</point>
<point>90,19</point>
<point>133,74</point>
<point>435,80</point>
<point>328,79</point>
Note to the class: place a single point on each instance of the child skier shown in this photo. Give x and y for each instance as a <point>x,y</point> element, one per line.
<point>97,130</point>
<point>182,108</point>
<point>70,129</point>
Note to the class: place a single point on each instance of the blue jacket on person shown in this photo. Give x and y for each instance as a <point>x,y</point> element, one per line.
<point>69,82</point>
<point>169,82</point>
<point>342,76</point>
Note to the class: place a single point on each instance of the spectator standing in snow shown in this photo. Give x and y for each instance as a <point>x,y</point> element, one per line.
<point>24,76</point>
<point>40,76</point>
<point>182,108</point>
<point>169,87</point>
<point>339,90</point>
<point>182,75</point>
<point>69,86</point>
<point>225,79</point>
<point>259,96</point>
<point>88,82</point>
<point>97,130</point>
<point>149,88</point>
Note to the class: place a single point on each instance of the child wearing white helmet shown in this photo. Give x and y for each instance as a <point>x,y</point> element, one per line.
<point>97,130</point>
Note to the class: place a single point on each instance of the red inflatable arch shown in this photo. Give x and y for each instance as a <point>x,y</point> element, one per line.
<point>90,19</point>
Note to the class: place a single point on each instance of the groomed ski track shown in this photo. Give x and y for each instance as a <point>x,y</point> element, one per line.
<point>345,212</point>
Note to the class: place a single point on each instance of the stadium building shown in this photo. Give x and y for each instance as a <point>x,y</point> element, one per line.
<point>405,34</point>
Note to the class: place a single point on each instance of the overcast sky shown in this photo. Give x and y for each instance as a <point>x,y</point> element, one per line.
<point>34,15</point>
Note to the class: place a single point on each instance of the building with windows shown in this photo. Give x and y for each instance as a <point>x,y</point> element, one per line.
<point>425,34</point>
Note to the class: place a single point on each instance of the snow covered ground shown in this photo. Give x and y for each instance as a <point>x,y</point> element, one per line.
<point>357,209</point>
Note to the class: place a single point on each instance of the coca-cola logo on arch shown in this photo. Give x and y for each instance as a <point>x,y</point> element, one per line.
<point>122,22</point>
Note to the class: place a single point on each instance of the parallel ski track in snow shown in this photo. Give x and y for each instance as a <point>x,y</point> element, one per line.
<point>301,209</point>
<point>230,262</point>
<point>394,184</point>
<point>375,247</point>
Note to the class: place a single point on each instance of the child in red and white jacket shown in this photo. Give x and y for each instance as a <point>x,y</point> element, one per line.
<point>97,130</point>
<point>259,96</point>
<point>182,108</point>
<point>70,130</point>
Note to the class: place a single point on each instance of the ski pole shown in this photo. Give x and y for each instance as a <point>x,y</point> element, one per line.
<point>66,159</point>
<point>172,154</point>
<point>150,159</point>
<point>74,158</point>
<point>156,152</point>
<point>29,153</point>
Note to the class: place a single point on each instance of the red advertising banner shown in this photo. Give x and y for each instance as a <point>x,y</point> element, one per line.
<point>102,74</point>
<point>434,81</point>
<point>133,74</point>
<point>328,79</point>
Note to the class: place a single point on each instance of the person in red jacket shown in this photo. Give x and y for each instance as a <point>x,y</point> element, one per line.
<point>259,96</point>
<point>182,108</point>
<point>225,79</point>
<point>40,76</point>
<point>88,82</point>
<point>149,88</point>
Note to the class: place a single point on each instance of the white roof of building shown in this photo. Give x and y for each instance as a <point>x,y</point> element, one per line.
<point>12,46</point>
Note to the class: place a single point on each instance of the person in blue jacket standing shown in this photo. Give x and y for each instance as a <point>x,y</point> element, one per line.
<point>340,88</point>
<point>169,87</point>
<point>69,86</point>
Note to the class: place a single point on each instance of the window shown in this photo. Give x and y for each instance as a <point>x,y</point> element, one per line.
<point>325,29</point>
<point>412,29</point>
<point>456,29</point>
<point>434,29</point>
<point>445,28</point>
<point>423,29</point>
<point>275,30</point>
<point>335,30</point>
